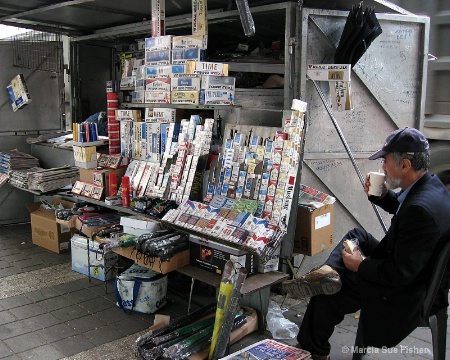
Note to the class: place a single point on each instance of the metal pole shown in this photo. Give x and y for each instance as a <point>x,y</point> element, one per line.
<point>347,148</point>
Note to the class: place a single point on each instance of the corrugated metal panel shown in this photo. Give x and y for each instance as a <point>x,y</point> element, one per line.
<point>387,85</point>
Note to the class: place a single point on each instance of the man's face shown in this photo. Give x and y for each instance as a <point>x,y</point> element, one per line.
<point>392,171</point>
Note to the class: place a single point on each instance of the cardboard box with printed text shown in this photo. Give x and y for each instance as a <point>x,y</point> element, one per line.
<point>314,229</point>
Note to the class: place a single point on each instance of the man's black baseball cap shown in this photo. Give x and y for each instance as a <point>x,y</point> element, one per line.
<point>403,140</point>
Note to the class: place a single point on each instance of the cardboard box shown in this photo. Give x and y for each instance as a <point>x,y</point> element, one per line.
<point>87,175</point>
<point>90,231</point>
<point>314,229</point>
<point>85,157</point>
<point>102,266</point>
<point>212,256</point>
<point>46,232</point>
<point>177,261</point>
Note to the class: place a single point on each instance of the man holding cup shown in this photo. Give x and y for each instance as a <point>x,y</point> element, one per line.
<point>390,280</point>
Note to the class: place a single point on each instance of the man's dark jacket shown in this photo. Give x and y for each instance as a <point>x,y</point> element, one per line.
<point>396,275</point>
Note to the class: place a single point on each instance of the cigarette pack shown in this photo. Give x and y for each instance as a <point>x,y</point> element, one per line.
<point>190,41</point>
<point>159,71</point>
<point>199,17</point>
<point>138,97</point>
<point>185,84</point>
<point>157,84</point>
<point>158,43</point>
<point>217,97</point>
<point>157,97</point>
<point>158,57</point>
<point>158,8</point>
<point>182,56</point>
<point>206,68</point>
<point>211,82</point>
<point>185,97</point>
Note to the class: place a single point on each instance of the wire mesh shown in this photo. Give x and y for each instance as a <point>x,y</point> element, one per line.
<point>38,51</point>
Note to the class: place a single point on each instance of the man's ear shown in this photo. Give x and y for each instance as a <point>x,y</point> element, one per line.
<point>406,164</point>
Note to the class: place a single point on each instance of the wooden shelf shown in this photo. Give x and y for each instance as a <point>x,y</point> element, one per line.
<point>251,285</point>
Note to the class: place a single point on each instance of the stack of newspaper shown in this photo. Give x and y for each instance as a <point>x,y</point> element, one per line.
<point>52,179</point>
<point>19,178</point>
<point>16,160</point>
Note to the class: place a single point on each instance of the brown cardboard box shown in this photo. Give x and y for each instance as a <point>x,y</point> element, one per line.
<point>86,175</point>
<point>177,261</point>
<point>314,230</point>
<point>46,232</point>
<point>90,231</point>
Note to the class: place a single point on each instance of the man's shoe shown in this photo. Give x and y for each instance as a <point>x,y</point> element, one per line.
<point>321,281</point>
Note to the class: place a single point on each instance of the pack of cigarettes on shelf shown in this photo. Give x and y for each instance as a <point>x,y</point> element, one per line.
<point>190,41</point>
<point>140,85</point>
<point>211,82</point>
<point>158,57</point>
<point>206,68</point>
<point>157,84</point>
<point>164,115</point>
<point>201,225</point>
<point>138,97</point>
<point>158,43</point>
<point>185,97</point>
<point>182,56</point>
<point>127,82</point>
<point>182,219</point>
<point>157,97</point>
<point>199,17</point>
<point>185,84</point>
<point>128,115</point>
<point>113,200</point>
<point>217,97</point>
<point>158,15</point>
<point>164,71</point>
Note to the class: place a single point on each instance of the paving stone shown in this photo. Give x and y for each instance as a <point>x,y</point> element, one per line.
<point>12,329</point>
<point>73,345</point>
<point>103,335</point>
<point>9,271</point>
<point>67,288</point>
<point>28,263</point>
<point>5,350</point>
<point>27,311</point>
<point>47,352</point>
<point>70,313</point>
<point>15,301</point>
<point>44,293</point>
<point>80,296</point>
<point>57,332</point>
<point>6,317</point>
<point>86,323</point>
<point>24,342</point>
<point>4,264</point>
<point>41,321</point>
<point>55,303</point>
<point>111,316</point>
<point>131,325</point>
<point>97,304</point>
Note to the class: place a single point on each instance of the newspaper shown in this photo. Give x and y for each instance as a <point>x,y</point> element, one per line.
<point>269,349</point>
<point>310,197</point>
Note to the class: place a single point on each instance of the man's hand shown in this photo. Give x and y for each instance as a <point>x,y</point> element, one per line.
<point>352,261</point>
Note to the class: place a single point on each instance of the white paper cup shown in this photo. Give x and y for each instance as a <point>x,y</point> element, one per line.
<point>377,180</point>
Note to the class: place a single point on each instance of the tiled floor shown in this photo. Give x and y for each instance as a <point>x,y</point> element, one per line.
<point>48,311</point>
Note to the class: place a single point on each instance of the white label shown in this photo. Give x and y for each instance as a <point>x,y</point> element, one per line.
<point>322,221</point>
<point>64,246</point>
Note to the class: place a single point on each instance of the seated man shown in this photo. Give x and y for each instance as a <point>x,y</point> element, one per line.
<point>389,282</point>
